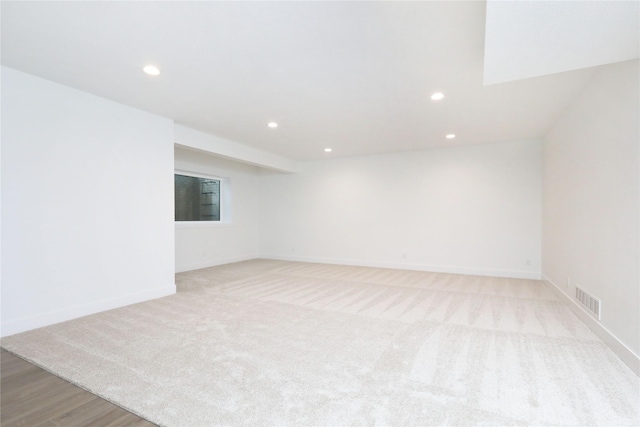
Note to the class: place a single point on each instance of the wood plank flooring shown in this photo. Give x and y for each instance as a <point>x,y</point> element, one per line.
<point>30,396</point>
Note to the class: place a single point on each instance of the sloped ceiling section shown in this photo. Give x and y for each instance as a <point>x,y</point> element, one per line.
<point>535,38</point>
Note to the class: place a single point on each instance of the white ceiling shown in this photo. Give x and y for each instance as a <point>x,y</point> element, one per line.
<point>353,76</point>
<point>532,38</point>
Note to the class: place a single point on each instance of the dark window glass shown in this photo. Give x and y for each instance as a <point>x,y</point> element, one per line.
<point>197,199</point>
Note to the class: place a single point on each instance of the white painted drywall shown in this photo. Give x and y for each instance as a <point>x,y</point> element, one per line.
<point>526,39</point>
<point>207,143</point>
<point>473,209</point>
<point>205,245</point>
<point>591,212</point>
<point>87,203</point>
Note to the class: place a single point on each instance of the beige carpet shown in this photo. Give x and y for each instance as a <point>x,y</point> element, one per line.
<point>270,343</point>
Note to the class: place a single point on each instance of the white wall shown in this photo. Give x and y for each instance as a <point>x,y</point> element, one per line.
<point>87,205</point>
<point>473,210</point>
<point>204,245</point>
<point>211,144</point>
<point>591,210</point>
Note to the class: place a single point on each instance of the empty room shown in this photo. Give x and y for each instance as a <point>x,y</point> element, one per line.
<point>320,213</point>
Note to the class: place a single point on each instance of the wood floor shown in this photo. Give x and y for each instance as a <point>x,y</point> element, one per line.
<point>33,397</point>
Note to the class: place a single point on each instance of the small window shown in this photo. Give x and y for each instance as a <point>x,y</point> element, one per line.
<point>197,198</point>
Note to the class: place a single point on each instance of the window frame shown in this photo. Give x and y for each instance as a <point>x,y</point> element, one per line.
<point>222,189</point>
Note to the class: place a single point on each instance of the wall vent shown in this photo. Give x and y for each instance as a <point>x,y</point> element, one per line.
<point>589,302</point>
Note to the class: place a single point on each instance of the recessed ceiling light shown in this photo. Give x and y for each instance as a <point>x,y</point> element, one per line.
<point>272,125</point>
<point>450,136</point>
<point>151,70</point>
<point>437,96</point>
<point>328,150</point>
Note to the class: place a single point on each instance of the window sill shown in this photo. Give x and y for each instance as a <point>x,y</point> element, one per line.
<point>201,224</point>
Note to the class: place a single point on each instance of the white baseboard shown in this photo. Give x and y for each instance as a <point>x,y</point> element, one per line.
<point>415,267</point>
<point>213,263</point>
<point>630,359</point>
<point>45,319</point>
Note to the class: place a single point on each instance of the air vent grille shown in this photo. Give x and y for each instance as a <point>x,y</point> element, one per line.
<point>589,302</point>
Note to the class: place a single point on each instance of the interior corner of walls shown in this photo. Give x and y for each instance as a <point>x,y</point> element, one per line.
<point>15,326</point>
